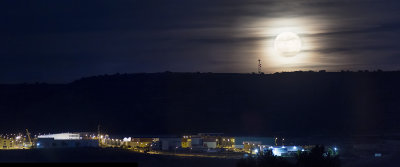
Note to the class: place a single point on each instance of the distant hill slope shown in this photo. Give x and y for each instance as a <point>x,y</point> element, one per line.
<point>296,103</point>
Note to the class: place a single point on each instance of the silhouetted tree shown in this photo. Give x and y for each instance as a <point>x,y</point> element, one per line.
<point>247,162</point>
<point>266,159</point>
<point>317,158</point>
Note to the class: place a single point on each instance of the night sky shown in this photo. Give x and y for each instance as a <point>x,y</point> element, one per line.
<point>58,41</point>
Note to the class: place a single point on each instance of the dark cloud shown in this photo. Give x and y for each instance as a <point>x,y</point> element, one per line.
<point>59,41</point>
<point>351,49</point>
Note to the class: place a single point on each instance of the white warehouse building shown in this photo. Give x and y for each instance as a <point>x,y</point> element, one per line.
<point>65,140</point>
<point>61,136</point>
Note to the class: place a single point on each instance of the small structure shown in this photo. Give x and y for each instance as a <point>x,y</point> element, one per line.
<point>197,142</point>
<point>186,142</point>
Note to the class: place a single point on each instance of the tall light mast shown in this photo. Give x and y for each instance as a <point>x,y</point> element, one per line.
<point>99,138</point>
<point>259,66</point>
<point>29,137</point>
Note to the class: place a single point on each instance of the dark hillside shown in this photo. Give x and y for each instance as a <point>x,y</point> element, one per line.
<point>297,103</point>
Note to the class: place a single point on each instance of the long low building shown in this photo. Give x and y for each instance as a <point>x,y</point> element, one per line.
<point>139,142</point>
<point>285,150</point>
<point>247,144</point>
<point>65,140</point>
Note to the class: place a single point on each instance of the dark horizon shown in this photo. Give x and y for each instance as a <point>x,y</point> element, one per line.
<point>196,72</point>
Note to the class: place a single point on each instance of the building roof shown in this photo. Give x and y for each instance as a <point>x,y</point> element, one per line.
<point>261,140</point>
<point>61,136</point>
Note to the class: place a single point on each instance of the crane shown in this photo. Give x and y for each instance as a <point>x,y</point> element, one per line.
<point>29,137</point>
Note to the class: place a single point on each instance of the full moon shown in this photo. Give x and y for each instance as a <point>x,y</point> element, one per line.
<point>287,44</point>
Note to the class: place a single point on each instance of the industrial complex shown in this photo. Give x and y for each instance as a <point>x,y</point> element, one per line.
<point>203,143</point>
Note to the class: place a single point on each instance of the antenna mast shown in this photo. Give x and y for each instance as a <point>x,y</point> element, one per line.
<point>98,130</point>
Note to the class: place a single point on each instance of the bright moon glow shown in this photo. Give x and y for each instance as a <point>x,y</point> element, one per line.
<point>275,55</point>
<point>287,44</point>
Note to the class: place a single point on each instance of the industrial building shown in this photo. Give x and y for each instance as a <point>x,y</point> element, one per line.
<point>66,140</point>
<point>14,141</point>
<point>139,142</point>
<point>7,143</point>
<point>166,143</point>
<point>207,141</point>
<point>285,150</point>
<point>248,144</point>
<point>170,143</point>
<point>203,141</point>
<point>225,142</point>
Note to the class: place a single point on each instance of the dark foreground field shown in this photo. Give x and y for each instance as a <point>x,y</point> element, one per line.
<point>144,160</point>
<point>108,155</point>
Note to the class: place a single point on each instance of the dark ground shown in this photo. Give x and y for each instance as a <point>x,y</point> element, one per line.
<point>108,156</point>
<point>146,160</point>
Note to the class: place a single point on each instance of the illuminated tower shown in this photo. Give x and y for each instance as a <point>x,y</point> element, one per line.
<point>259,66</point>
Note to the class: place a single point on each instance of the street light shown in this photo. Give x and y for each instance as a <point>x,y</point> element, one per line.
<point>256,151</point>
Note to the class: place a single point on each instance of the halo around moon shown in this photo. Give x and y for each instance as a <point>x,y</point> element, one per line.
<point>287,44</point>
